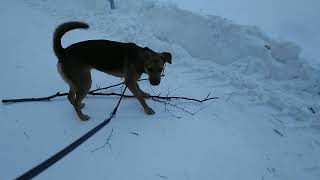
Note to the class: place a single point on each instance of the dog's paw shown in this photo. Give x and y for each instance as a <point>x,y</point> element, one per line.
<point>84,117</point>
<point>149,111</point>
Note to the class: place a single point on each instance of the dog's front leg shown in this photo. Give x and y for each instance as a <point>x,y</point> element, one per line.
<point>137,93</point>
<point>131,82</point>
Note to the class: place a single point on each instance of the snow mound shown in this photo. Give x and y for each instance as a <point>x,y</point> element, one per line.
<point>251,61</point>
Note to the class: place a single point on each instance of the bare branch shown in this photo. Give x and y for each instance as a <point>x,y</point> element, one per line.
<point>278,132</point>
<point>106,143</point>
<point>174,105</point>
<point>134,133</point>
<point>94,93</point>
<point>184,98</point>
<point>47,98</point>
<point>58,94</point>
<point>158,98</point>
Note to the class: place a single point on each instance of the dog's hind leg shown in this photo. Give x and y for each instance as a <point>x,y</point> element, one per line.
<point>84,85</point>
<point>80,95</point>
<point>72,88</point>
<point>71,94</point>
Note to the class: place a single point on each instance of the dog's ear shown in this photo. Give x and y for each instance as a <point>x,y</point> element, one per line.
<point>166,56</point>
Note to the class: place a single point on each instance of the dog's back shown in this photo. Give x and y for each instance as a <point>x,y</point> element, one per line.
<point>103,55</point>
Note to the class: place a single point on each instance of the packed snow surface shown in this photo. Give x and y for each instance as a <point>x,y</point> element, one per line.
<point>265,124</point>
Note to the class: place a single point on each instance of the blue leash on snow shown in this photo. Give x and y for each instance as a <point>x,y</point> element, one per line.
<point>59,155</point>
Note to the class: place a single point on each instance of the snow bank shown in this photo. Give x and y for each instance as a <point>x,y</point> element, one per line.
<point>240,52</point>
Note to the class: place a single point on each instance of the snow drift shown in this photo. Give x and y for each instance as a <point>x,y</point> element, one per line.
<point>239,51</point>
<point>262,127</point>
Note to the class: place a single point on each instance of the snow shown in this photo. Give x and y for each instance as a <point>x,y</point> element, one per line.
<point>292,20</point>
<point>261,127</point>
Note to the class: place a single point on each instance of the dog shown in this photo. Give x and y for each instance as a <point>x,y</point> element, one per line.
<point>125,60</point>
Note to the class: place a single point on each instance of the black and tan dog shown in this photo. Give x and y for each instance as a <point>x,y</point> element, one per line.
<point>125,60</point>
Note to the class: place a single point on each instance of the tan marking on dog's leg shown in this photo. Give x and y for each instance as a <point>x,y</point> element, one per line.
<point>71,95</point>
<point>84,84</point>
<point>80,95</point>
<point>72,88</point>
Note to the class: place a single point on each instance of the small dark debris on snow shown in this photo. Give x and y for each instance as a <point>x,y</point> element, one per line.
<point>278,132</point>
<point>267,46</point>
<point>161,176</point>
<point>312,110</point>
<point>134,133</point>
<point>27,135</point>
<point>272,170</point>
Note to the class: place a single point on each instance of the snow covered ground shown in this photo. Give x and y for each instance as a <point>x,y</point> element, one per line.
<point>262,127</point>
<point>294,20</point>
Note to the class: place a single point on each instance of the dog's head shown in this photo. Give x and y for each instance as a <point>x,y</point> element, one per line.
<point>154,63</point>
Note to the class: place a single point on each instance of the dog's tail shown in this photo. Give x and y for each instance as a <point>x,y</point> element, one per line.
<point>60,31</point>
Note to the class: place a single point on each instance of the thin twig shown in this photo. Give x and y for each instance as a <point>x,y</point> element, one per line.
<point>104,88</point>
<point>312,110</point>
<point>200,109</point>
<point>106,143</point>
<point>162,176</point>
<point>111,94</point>
<point>278,132</point>
<point>185,98</point>
<point>229,97</point>
<point>166,109</point>
<point>115,85</point>
<point>174,105</point>
<point>134,133</point>
<point>26,134</point>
